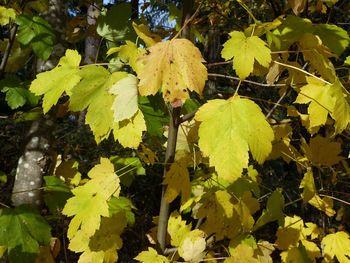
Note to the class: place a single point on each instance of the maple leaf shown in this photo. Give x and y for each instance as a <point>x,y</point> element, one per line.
<point>151,256</point>
<point>146,35</point>
<point>192,246</point>
<point>174,66</point>
<point>242,253</point>
<point>330,151</point>
<point>312,230</point>
<point>290,233</point>
<point>6,15</point>
<point>129,132</point>
<point>129,53</point>
<point>244,51</point>
<point>177,229</point>
<point>103,245</point>
<point>61,79</point>
<point>273,211</point>
<point>323,204</point>
<point>89,203</point>
<point>92,93</point>
<point>338,245</point>
<point>341,113</point>
<point>22,231</point>
<point>125,104</point>
<point>308,184</point>
<point>177,180</point>
<point>319,95</point>
<point>233,124</point>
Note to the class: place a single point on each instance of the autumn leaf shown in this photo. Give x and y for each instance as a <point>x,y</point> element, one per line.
<point>319,97</point>
<point>242,253</point>
<point>337,245</point>
<point>308,184</point>
<point>103,245</point>
<point>175,67</point>
<point>245,51</point>
<point>6,15</point>
<point>92,93</point>
<point>129,132</point>
<point>329,155</point>
<point>323,204</point>
<point>341,113</point>
<point>151,256</point>
<point>89,203</point>
<point>177,229</point>
<point>125,104</point>
<point>52,84</point>
<point>233,124</point>
<point>177,180</point>
<point>145,34</point>
<point>192,246</point>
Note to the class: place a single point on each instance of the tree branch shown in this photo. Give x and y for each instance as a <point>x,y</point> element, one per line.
<point>245,80</point>
<point>7,52</point>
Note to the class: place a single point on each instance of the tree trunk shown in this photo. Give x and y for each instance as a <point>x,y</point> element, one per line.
<point>36,158</point>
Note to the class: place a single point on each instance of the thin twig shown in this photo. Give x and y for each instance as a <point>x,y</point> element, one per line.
<point>336,199</point>
<point>7,52</point>
<point>187,22</point>
<point>187,116</point>
<point>276,105</point>
<point>245,80</point>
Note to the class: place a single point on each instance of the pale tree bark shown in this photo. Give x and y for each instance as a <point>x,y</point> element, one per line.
<point>36,158</point>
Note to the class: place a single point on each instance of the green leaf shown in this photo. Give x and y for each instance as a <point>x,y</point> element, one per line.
<point>17,93</point>
<point>93,93</point>
<point>114,29</point>
<point>245,51</point>
<point>37,32</point>
<point>228,130</point>
<point>122,205</point>
<point>334,37</point>
<point>56,194</point>
<point>125,104</point>
<point>155,113</point>
<point>22,230</point>
<point>273,211</point>
<point>52,84</point>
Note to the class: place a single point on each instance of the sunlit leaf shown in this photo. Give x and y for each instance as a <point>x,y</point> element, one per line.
<point>175,67</point>
<point>52,84</point>
<point>245,51</point>
<point>233,124</point>
<point>337,245</point>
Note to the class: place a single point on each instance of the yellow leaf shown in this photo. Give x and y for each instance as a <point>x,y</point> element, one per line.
<point>341,113</point>
<point>129,132</point>
<point>6,15</point>
<point>308,184</point>
<point>318,94</point>
<point>146,35</point>
<point>125,104</point>
<point>297,6</point>
<point>311,230</point>
<point>325,205</point>
<point>177,229</point>
<point>58,80</point>
<point>175,67</point>
<point>233,124</point>
<point>289,235</point>
<point>177,180</point>
<point>322,151</point>
<point>192,246</point>
<point>103,245</point>
<point>89,203</point>
<point>295,254</point>
<point>312,249</point>
<point>151,256</point>
<point>317,54</point>
<point>337,245</point>
<point>69,171</point>
<point>234,216</point>
<point>242,254</point>
<point>244,51</point>
<point>264,251</point>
